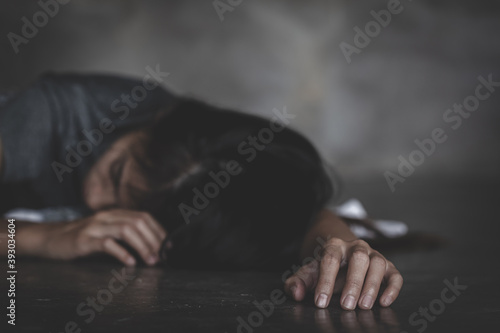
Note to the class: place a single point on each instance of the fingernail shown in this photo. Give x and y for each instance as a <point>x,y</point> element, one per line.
<point>321,301</point>
<point>349,302</point>
<point>293,289</point>
<point>386,301</point>
<point>152,260</point>
<point>130,261</point>
<point>367,302</point>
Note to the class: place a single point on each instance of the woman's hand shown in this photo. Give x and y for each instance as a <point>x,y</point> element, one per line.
<point>101,232</point>
<point>350,267</point>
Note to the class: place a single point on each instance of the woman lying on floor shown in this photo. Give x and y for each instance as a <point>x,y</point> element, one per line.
<point>170,178</point>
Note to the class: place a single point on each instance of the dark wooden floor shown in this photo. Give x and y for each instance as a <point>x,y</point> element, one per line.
<point>51,295</point>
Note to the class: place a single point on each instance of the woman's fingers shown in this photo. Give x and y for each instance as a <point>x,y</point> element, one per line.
<point>394,282</point>
<point>121,215</point>
<point>111,247</point>
<point>358,263</point>
<point>138,242</point>
<point>331,261</point>
<point>156,228</point>
<point>302,281</point>
<point>138,229</point>
<point>142,223</point>
<point>151,229</point>
<point>366,271</point>
<point>374,278</point>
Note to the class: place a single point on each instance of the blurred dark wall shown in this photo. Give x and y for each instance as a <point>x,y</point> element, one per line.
<point>271,54</point>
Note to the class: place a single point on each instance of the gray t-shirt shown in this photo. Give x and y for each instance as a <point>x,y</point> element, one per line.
<point>56,129</point>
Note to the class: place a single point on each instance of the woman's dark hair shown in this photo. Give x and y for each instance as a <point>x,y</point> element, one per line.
<point>233,191</point>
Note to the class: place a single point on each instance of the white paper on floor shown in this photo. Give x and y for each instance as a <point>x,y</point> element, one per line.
<point>355,210</point>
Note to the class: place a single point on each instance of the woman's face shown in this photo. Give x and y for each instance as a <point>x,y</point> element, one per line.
<point>116,176</point>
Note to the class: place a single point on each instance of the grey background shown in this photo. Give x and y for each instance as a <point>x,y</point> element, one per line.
<point>271,54</point>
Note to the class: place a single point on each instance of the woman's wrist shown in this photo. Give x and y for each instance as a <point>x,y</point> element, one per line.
<point>328,225</point>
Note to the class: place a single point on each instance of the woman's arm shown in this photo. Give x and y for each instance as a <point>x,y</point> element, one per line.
<point>28,237</point>
<point>97,233</point>
<point>342,263</point>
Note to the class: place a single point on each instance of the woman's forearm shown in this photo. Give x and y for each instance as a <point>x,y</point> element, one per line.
<point>328,225</point>
<point>98,233</point>
<point>29,238</point>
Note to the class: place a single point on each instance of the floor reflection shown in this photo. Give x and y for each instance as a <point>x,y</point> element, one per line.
<point>336,320</point>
